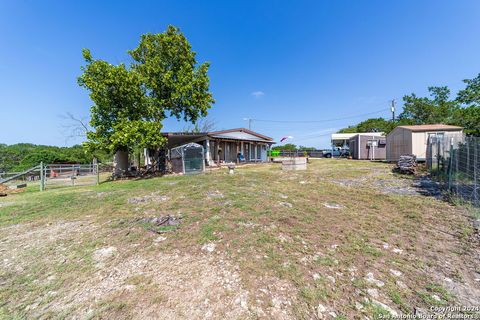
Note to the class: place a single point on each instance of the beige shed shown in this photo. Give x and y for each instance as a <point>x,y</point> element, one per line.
<point>413,139</point>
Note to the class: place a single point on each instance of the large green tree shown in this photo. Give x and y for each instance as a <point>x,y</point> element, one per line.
<point>131,102</point>
<point>371,125</point>
<point>469,115</point>
<point>120,116</point>
<point>423,110</point>
<point>175,84</point>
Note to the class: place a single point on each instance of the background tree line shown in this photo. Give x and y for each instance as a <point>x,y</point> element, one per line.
<point>22,156</point>
<point>462,110</point>
<point>291,146</point>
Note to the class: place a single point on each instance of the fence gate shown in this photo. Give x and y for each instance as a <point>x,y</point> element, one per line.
<point>64,175</point>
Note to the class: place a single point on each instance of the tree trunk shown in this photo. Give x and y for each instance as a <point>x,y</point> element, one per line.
<point>121,163</point>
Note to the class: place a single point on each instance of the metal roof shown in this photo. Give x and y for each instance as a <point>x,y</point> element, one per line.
<point>179,138</point>
<point>242,130</point>
<point>237,135</point>
<point>347,136</point>
<point>432,127</point>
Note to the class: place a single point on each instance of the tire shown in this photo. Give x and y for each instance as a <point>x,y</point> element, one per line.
<point>328,155</point>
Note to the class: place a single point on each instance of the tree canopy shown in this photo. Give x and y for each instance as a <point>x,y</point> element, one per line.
<point>22,156</point>
<point>439,107</point>
<point>423,110</point>
<point>370,125</point>
<point>469,98</point>
<point>130,102</point>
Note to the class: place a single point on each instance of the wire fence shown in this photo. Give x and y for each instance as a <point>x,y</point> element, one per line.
<point>49,176</point>
<point>455,161</point>
<point>65,175</point>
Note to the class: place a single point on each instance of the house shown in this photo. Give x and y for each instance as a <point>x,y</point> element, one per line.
<point>225,146</point>
<point>414,139</point>
<point>368,146</point>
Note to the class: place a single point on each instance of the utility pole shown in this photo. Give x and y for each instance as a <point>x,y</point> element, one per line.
<point>249,122</point>
<point>393,109</point>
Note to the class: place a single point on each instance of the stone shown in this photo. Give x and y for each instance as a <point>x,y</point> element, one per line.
<point>400,284</point>
<point>396,273</point>
<point>371,279</point>
<point>103,254</point>
<point>209,247</point>
<point>286,204</point>
<point>320,310</point>
<point>333,205</point>
<point>148,198</point>
<point>373,293</point>
<point>159,239</point>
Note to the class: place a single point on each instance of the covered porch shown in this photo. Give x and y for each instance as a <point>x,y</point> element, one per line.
<point>220,151</point>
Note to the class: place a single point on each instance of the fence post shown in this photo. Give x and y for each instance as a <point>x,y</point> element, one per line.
<point>42,177</point>
<point>450,163</point>
<point>457,155</point>
<point>475,169</point>
<point>98,173</point>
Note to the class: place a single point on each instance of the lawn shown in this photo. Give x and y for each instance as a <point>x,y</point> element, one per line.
<point>344,239</point>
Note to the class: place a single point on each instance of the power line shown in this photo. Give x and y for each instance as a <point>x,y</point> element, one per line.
<point>320,121</point>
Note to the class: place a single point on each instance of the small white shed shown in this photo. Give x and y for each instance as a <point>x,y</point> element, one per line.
<point>413,139</point>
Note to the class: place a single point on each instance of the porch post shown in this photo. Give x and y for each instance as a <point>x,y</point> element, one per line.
<point>208,155</point>
<point>217,145</point>
<point>236,155</point>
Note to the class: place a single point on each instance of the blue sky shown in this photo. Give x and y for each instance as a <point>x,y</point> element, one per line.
<point>270,60</point>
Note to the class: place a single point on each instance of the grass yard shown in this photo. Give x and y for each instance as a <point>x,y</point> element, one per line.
<point>344,239</point>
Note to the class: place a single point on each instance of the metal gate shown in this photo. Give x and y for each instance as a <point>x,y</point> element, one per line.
<point>64,175</point>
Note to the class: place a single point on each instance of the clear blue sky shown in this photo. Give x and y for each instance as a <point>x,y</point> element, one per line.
<point>306,60</point>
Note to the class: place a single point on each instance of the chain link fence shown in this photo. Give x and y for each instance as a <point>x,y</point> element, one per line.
<point>455,161</point>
